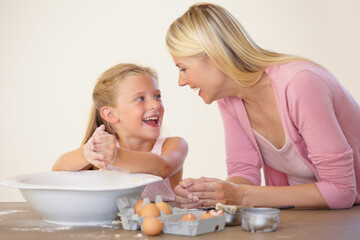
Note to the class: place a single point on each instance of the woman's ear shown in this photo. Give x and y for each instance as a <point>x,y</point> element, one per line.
<point>107,113</point>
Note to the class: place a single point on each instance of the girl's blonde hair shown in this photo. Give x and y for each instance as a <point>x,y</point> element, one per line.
<point>210,30</point>
<point>106,90</point>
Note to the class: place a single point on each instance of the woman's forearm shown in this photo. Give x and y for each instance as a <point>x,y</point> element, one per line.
<point>239,180</point>
<point>301,196</point>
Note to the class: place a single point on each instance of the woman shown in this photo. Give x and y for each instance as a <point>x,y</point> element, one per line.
<point>281,112</point>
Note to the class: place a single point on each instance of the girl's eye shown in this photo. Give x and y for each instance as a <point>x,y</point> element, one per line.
<point>158,96</point>
<point>139,99</point>
<point>182,69</point>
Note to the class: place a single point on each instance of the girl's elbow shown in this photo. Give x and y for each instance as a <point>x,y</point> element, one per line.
<point>164,172</point>
<point>56,167</point>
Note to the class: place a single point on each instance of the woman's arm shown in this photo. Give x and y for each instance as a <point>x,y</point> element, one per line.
<point>170,161</point>
<point>209,191</point>
<point>242,157</point>
<point>187,199</point>
<point>305,196</point>
<point>316,104</point>
<point>212,191</point>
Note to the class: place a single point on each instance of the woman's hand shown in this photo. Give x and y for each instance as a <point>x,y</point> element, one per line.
<point>184,198</point>
<point>191,193</point>
<point>100,150</point>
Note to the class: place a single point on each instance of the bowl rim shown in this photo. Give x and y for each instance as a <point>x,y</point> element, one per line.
<point>16,181</point>
<point>260,210</point>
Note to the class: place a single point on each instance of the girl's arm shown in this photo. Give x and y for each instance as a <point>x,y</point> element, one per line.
<point>170,161</point>
<point>176,179</point>
<point>72,161</point>
<point>84,158</point>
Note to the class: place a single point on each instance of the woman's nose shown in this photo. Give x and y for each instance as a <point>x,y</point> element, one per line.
<point>182,81</point>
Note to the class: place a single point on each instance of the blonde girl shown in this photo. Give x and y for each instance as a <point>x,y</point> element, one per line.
<point>124,131</point>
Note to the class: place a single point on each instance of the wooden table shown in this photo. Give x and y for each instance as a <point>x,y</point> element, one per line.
<point>19,221</point>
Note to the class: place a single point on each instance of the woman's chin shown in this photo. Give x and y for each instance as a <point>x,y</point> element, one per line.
<point>207,100</point>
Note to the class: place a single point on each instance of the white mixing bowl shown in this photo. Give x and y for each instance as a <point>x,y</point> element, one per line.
<point>79,198</point>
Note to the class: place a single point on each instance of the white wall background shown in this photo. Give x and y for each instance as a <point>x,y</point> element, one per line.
<point>51,53</point>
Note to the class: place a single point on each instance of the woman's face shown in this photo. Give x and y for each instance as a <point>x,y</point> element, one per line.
<point>201,73</point>
<point>139,107</point>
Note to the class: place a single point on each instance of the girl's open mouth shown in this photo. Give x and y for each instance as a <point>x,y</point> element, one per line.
<point>152,121</point>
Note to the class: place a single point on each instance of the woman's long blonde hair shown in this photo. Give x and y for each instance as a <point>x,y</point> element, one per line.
<point>210,30</point>
<point>105,93</point>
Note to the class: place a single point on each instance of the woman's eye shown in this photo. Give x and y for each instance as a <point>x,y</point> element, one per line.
<point>158,96</point>
<point>182,69</point>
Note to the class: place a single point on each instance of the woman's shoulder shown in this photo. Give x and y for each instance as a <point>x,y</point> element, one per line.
<point>289,69</point>
<point>299,75</point>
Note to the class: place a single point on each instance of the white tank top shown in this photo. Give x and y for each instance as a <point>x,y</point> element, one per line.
<point>162,188</point>
<point>285,160</point>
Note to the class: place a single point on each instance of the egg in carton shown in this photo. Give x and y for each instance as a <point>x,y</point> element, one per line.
<point>131,220</point>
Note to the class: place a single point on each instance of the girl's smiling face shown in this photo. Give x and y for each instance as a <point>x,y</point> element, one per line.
<point>139,108</point>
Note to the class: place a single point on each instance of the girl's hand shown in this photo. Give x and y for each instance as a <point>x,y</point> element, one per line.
<point>209,191</point>
<point>101,150</point>
<point>105,145</point>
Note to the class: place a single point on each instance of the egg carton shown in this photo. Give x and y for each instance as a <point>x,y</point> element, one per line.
<point>129,219</point>
<point>172,224</point>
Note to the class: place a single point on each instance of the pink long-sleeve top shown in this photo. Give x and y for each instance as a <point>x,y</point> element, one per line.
<point>322,121</point>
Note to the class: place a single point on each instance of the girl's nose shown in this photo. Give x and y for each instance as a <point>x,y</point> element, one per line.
<point>154,104</point>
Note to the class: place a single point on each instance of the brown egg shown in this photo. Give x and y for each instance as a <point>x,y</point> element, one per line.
<point>188,217</point>
<point>163,206</point>
<point>152,226</point>
<point>206,215</point>
<point>150,210</point>
<point>138,206</point>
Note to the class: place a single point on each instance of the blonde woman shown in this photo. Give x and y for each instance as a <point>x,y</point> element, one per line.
<point>124,131</point>
<point>281,113</point>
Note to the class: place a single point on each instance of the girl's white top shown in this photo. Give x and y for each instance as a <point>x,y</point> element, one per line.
<point>162,188</point>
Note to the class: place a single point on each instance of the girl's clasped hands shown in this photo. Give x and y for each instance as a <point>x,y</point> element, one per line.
<point>101,150</point>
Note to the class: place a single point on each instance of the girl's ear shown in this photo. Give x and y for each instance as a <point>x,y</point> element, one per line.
<point>107,113</point>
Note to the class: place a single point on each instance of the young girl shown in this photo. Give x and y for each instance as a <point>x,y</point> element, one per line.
<point>124,129</point>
